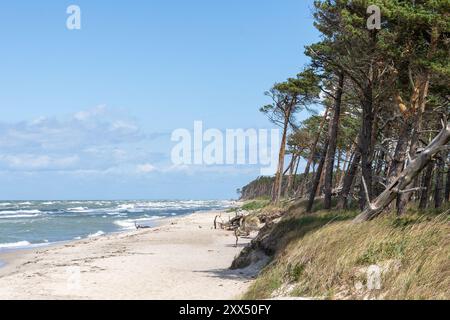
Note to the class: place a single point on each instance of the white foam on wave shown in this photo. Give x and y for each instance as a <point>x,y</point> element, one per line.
<point>143,206</point>
<point>97,234</point>
<point>162,205</point>
<point>125,206</point>
<point>184,204</point>
<point>23,245</point>
<point>15,216</point>
<point>11,212</point>
<point>77,209</point>
<point>5,204</point>
<point>16,245</point>
<point>128,224</point>
<point>82,210</point>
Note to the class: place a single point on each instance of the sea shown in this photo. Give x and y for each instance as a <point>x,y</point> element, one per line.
<point>28,224</point>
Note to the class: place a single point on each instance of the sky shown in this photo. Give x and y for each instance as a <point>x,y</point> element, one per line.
<point>89,113</point>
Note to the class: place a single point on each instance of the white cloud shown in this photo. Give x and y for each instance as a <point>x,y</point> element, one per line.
<point>87,114</point>
<point>38,162</point>
<point>145,168</point>
<point>91,140</point>
<point>124,126</point>
<point>215,169</point>
<point>99,127</point>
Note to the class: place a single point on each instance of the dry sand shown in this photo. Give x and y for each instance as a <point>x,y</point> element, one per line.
<point>184,258</point>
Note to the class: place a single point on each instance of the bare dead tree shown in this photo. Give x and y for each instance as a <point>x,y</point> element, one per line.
<point>399,184</point>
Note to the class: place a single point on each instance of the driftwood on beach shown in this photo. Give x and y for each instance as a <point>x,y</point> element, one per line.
<point>138,226</point>
<point>241,225</point>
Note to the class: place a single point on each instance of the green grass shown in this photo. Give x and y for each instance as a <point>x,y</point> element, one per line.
<point>381,251</point>
<point>255,205</point>
<point>326,255</point>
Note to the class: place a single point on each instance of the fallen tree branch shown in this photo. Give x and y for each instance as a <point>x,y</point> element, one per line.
<point>409,190</point>
<point>404,179</point>
<point>366,192</point>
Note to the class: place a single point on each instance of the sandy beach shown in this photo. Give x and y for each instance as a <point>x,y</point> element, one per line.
<point>182,258</point>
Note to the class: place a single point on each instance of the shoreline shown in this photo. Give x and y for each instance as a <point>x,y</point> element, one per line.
<point>181,258</point>
<point>15,251</point>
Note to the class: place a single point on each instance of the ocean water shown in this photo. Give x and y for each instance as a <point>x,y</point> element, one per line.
<point>25,224</point>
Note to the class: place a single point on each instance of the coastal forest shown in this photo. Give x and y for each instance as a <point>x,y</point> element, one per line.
<point>374,184</point>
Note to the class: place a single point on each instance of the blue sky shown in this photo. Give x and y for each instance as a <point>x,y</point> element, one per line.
<point>87,114</point>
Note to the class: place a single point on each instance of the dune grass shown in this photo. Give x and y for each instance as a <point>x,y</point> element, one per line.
<point>255,204</point>
<point>325,255</point>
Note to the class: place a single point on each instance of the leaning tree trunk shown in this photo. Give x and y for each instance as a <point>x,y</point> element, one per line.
<point>347,161</point>
<point>366,138</point>
<point>312,154</point>
<point>378,171</point>
<point>349,177</point>
<point>316,181</point>
<point>322,178</point>
<point>348,182</point>
<point>292,167</point>
<point>404,179</point>
<point>399,159</point>
<point>332,135</point>
<point>278,183</point>
<point>368,119</point>
<point>418,104</point>
<point>294,182</point>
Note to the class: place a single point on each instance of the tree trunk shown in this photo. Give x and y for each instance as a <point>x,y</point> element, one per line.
<point>348,158</point>
<point>348,182</point>
<point>276,194</point>
<point>379,168</point>
<point>405,178</point>
<point>349,177</point>
<point>292,166</point>
<point>338,174</point>
<point>295,173</point>
<point>321,180</point>
<point>366,138</point>
<point>447,184</point>
<point>316,181</point>
<point>418,103</point>
<point>438,188</point>
<point>312,153</point>
<point>332,136</point>
<point>399,158</point>
<point>426,186</point>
